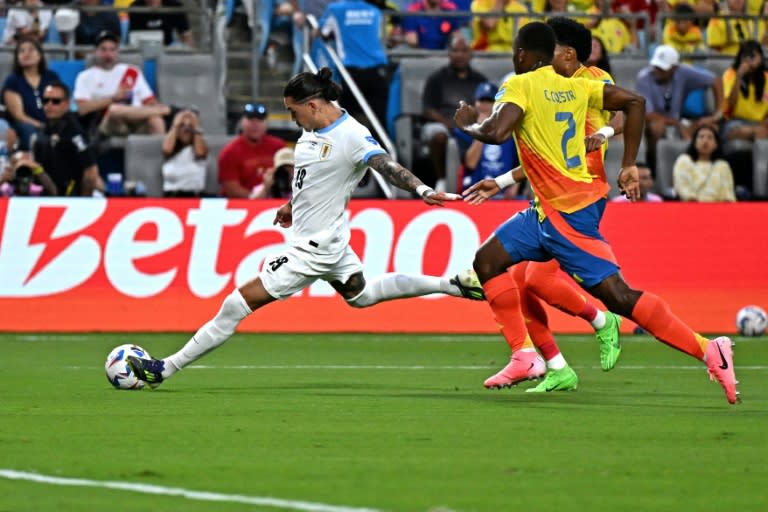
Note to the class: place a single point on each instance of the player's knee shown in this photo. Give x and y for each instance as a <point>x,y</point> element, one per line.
<point>361,300</point>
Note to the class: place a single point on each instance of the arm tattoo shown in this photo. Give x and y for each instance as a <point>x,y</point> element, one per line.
<point>394,173</point>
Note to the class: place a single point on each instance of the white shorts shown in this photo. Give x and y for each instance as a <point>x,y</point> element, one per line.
<point>295,269</point>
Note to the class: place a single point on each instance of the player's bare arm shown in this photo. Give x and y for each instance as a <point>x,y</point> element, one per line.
<point>633,106</point>
<point>496,129</point>
<point>489,187</point>
<point>402,178</point>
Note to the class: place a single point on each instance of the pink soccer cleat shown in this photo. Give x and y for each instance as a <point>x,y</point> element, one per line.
<point>526,365</point>
<point>719,359</point>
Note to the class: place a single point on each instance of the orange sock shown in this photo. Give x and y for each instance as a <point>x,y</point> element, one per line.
<point>537,324</point>
<point>653,314</point>
<point>543,280</point>
<point>504,299</point>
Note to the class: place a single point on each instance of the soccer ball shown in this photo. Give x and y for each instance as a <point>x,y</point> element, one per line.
<point>119,374</point>
<point>751,321</point>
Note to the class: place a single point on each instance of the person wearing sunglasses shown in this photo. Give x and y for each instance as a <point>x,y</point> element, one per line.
<point>247,159</point>
<point>62,148</point>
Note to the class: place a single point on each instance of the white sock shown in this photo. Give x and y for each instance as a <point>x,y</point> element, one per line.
<point>398,286</point>
<point>211,335</point>
<point>599,321</point>
<point>557,363</point>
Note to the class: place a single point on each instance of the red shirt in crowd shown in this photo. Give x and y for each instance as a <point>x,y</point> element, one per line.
<point>245,162</point>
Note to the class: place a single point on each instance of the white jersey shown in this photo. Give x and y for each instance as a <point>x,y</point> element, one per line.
<point>95,83</point>
<point>330,163</point>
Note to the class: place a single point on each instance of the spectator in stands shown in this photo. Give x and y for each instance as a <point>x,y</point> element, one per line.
<point>666,83</point>
<point>94,23</point>
<point>245,160</point>
<point>25,177</point>
<point>431,33</point>
<point>702,174</point>
<point>444,89</point>
<point>614,32</point>
<point>355,26</point>
<point>746,104</point>
<point>63,150</point>
<point>649,7</point>
<point>31,23</point>
<point>173,24</point>
<point>277,180</point>
<point>725,35</point>
<point>114,97</point>
<point>681,33</point>
<point>646,185</point>
<point>185,152</point>
<point>496,33</point>
<point>23,89</point>
<point>481,160</point>
<point>599,56</point>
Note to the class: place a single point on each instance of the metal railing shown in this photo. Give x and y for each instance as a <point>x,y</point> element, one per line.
<point>312,25</point>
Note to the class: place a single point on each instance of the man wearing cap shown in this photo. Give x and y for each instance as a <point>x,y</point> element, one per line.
<point>487,160</point>
<point>93,23</point>
<point>115,96</point>
<point>277,180</point>
<point>244,162</point>
<point>666,83</point>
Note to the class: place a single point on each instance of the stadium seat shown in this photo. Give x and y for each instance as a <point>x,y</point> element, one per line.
<point>625,70</point>
<point>414,72</point>
<point>185,80</point>
<point>67,70</point>
<point>143,162</point>
<point>760,171</point>
<point>667,151</point>
<point>215,144</point>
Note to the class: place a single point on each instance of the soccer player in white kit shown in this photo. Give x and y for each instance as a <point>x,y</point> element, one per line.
<point>332,155</point>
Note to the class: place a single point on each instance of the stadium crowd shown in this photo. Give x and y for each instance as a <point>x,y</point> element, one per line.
<point>712,118</point>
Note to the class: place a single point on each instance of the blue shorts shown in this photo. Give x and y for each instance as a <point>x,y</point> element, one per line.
<point>573,239</point>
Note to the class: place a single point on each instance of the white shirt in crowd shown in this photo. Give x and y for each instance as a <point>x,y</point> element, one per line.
<point>21,18</point>
<point>330,163</point>
<point>95,83</point>
<point>184,172</point>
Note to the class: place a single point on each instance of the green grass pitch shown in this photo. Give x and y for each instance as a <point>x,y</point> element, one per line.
<point>339,423</point>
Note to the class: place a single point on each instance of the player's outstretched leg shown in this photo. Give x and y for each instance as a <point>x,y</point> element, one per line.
<point>218,330</point>
<point>393,285</point>
<point>544,281</point>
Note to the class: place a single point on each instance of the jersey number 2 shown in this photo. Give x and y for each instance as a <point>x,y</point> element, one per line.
<point>573,161</point>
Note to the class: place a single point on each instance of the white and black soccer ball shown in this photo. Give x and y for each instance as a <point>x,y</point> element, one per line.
<point>119,374</point>
<point>751,321</point>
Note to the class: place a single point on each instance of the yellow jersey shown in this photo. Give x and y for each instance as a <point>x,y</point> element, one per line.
<point>550,136</point>
<point>746,108</point>
<point>596,119</point>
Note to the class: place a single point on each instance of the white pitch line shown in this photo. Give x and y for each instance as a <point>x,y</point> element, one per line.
<point>11,474</point>
<point>417,367</point>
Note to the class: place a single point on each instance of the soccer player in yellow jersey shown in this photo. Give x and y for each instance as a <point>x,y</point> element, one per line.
<point>546,113</point>
<point>538,281</point>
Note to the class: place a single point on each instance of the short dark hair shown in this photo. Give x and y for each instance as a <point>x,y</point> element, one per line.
<point>683,9</point>
<point>571,33</point>
<point>537,37</point>
<point>58,84</point>
<point>306,85</point>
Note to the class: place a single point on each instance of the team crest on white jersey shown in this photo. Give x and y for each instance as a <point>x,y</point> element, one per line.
<point>325,151</point>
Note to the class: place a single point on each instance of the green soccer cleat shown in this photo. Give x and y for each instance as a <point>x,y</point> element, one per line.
<point>608,338</point>
<point>469,285</point>
<point>564,379</point>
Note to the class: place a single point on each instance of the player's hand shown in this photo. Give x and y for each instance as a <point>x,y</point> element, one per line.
<point>481,191</point>
<point>433,198</point>
<point>629,182</point>
<point>465,115</point>
<point>594,141</point>
<point>284,216</point>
